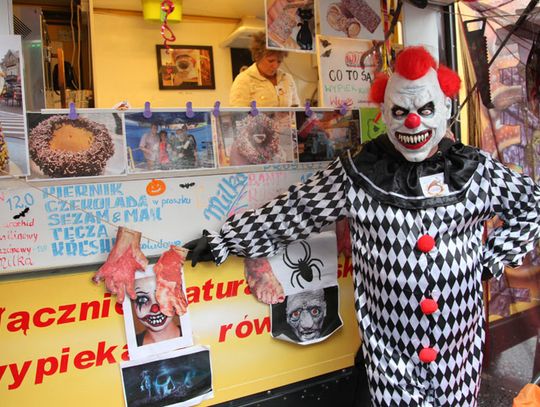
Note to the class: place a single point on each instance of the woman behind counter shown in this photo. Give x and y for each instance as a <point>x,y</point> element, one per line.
<point>263,81</point>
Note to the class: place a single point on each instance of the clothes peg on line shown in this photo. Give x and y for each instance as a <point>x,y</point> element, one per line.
<point>189,110</point>
<point>308,110</point>
<point>254,111</point>
<point>72,111</point>
<point>147,113</point>
<point>215,111</point>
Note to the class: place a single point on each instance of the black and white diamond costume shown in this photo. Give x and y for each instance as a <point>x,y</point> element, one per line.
<point>392,276</point>
<point>416,204</point>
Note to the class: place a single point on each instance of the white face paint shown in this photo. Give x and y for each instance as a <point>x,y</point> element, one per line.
<point>415,113</point>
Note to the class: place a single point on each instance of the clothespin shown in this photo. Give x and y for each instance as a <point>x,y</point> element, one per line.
<point>343,109</point>
<point>215,111</point>
<point>309,112</point>
<point>189,110</point>
<point>147,112</point>
<point>72,111</point>
<point>254,111</point>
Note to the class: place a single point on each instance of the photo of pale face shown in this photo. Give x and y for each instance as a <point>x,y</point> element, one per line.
<point>305,314</point>
<point>158,326</point>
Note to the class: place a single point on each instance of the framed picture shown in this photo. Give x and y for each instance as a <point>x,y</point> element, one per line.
<point>185,67</point>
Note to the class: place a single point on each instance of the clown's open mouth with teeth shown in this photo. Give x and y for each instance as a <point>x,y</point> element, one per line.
<point>155,320</point>
<point>414,141</point>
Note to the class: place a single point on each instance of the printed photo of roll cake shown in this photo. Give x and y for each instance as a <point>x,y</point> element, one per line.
<point>363,13</point>
<point>62,147</point>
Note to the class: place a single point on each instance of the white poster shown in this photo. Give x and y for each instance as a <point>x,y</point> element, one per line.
<point>357,19</point>
<point>68,225</point>
<point>307,272</point>
<point>346,71</point>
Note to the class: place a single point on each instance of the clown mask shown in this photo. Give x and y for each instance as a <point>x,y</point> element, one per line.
<point>415,113</point>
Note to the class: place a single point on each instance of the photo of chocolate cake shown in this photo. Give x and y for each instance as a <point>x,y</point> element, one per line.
<point>62,147</point>
<point>4,155</point>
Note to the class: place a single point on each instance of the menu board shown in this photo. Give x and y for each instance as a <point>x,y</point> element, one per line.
<point>75,224</point>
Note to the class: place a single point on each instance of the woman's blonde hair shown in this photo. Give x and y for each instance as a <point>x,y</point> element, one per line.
<point>258,47</point>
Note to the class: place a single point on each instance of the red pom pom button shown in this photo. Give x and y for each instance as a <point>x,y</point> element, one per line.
<point>429,306</point>
<point>425,243</point>
<point>427,355</point>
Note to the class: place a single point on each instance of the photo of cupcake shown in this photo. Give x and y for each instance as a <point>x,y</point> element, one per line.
<point>90,145</point>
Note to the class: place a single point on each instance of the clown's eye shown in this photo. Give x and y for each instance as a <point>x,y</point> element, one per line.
<point>427,109</point>
<point>315,311</point>
<point>399,112</point>
<point>141,300</point>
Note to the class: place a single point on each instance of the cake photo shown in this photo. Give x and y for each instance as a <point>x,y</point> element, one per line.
<point>62,147</point>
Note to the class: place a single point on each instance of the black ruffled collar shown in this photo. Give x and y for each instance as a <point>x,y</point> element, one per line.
<point>385,174</point>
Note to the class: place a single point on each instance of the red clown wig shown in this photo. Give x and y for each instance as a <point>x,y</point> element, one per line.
<point>413,63</point>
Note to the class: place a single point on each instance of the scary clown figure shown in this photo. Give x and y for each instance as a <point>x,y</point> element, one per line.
<point>159,327</point>
<point>416,202</point>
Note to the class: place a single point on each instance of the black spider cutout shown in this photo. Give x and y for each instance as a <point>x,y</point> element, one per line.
<point>305,267</point>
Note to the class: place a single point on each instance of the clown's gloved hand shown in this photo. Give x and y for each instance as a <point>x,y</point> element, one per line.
<point>199,250</point>
<point>169,288</point>
<point>123,261</point>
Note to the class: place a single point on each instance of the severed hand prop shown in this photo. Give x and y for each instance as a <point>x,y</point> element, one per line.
<point>124,260</point>
<point>169,292</point>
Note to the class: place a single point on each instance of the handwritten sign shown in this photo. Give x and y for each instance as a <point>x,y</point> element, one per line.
<point>71,225</point>
<point>345,76</point>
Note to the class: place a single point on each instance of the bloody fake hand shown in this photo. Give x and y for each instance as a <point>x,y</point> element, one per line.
<point>169,293</point>
<point>124,260</point>
<point>262,282</point>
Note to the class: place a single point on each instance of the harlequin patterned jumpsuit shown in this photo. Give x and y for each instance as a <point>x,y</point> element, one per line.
<point>414,357</point>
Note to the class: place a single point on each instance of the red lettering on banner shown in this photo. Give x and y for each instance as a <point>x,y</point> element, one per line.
<point>21,322</point>
<point>45,367</point>
<point>211,291</point>
<point>223,331</point>
<point>245,328</point>
<point>66,317</point>
<point>63,314</point>
<point>51,365</point>
<point>102,354</point>
<point>125,354</point>
<point>37,317</point>
<point>84,359</point>
<point>18,376</point>
<point>64,360</point>
<point>345,269</point>
<point>207,296</point>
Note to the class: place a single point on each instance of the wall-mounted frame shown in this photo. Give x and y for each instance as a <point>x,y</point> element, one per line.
<point>185,67</point>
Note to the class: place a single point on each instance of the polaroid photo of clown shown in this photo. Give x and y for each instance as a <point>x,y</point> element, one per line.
<point>148,330</point>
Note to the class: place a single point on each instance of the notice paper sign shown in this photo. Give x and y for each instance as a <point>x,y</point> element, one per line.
<point>345,71</point>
